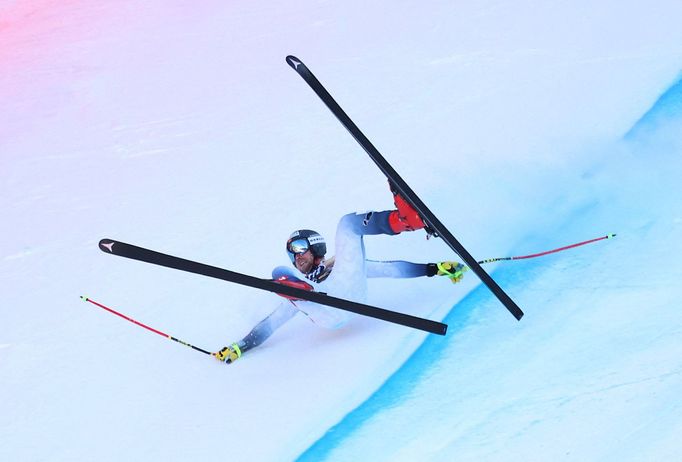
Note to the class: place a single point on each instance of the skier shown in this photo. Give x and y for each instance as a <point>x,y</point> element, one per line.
<point>343,275</point>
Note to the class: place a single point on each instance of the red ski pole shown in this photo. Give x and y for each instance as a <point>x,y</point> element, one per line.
<point>86,299</point>
<point>547,252</point>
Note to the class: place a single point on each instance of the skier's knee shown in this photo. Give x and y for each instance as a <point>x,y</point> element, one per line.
<point>282,271</point>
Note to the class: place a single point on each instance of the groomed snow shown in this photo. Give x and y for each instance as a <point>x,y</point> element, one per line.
<point>180,128</point>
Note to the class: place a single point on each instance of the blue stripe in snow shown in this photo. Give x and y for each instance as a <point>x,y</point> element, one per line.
<point>402,381</point>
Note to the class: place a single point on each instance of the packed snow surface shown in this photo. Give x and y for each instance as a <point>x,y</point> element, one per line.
<point>179,127</point>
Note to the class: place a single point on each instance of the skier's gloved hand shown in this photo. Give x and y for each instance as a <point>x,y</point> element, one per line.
<point>229,354</point>
<point>452,269</point>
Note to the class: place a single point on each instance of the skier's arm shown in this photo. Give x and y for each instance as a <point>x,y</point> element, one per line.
<point>405,269</point>
<point>399,269</point>
<point>258,334</point>
<point>264,329</point>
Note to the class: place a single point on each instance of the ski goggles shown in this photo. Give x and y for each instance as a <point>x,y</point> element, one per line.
<point>298,246</point>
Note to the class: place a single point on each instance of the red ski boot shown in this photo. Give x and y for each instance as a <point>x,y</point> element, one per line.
<point>406,217</point>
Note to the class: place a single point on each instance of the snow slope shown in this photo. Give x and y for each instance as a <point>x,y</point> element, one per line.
<point>595,370</point>
<point>179,127</point>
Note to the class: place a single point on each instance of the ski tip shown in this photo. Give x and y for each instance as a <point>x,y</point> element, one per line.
<point>84,298</point>
<point>610,236</point>
<point>106,245</point>
<point>294,62</point>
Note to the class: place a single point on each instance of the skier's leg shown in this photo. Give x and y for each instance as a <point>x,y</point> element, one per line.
<point>390,222</point>
<point>284,271</point>
<point>405,218</point>
<point>349,277</point>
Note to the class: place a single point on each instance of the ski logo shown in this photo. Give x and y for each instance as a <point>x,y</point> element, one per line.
<point>293,62</point>
<point>109,246</point>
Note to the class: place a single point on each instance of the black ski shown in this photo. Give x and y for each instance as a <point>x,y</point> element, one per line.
<point>405,191</point>
<point>150,256</point>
